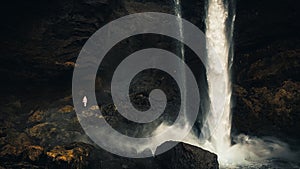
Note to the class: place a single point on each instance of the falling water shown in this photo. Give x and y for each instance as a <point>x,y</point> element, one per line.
<point>217,126</point>
<point>215,133</point>
<point>178,13</point>
<point>180,52</point>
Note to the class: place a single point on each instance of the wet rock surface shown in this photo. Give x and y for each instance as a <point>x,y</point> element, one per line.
<point>185,156</point>
<point>48,135</point>
<point>54,139</point>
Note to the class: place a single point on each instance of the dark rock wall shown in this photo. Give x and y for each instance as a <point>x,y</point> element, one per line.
<point>266,68</point>
<point>40,41</point>
<point>39,127</point>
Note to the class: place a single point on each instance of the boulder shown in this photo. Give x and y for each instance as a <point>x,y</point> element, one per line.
<point>185,156</point>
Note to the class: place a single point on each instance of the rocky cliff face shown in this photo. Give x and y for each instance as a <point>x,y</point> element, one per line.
<point>40,43</point>
<point>41,39</point>
<point>39,127</point>
<point>266,68</point>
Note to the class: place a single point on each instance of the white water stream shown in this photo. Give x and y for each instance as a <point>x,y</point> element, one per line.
<point>217,126</point>
<point>180,48</point>
<point>249,152</point>
<point>216,130</point>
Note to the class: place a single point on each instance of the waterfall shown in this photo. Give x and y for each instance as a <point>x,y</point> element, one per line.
<point>216,129</point>
<point>217,126</point>
<point>180,46</point>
